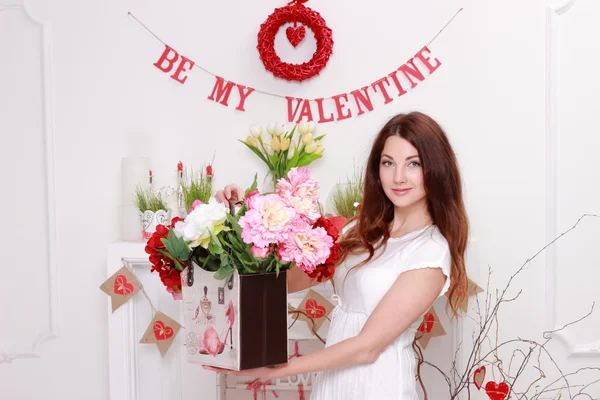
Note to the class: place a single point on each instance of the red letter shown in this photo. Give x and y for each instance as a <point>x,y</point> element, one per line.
<point>222,92</point>
<point>243,96</point>
<point>401,90</point>
<point>306,111</point>
<point>379,84</point>
<point>340,107</point>
<point>292,115</point>
<point>425,60</point>
<point>321,112</point>
<point>164,57</point>
<point>362,98</point>
<point>181,68</point>
<point>414,71</point>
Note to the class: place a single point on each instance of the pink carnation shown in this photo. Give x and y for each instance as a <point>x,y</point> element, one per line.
<point>260,252</point>
<point>301,192</point>
<point>268,220</point>
<point>306,248</point>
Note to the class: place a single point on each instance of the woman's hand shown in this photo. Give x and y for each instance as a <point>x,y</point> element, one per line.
<point>230,194</point>
<point>274,372</point>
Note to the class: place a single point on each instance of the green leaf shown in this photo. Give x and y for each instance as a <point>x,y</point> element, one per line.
<point>234,225</point>
<point>291,133</point>
<point>292,163</point>
<point>177,247</point>
<point>256,151</point>
<point>252,187</point>
<point>223,273</point>
<point>224,260</point>
<point>307,159</point>
<point>319,137</point>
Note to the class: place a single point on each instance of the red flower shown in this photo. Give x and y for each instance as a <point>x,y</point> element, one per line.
<point>163,265</point>
<point>175,220</point>
<point>209,171</point>
<point>333,226</point>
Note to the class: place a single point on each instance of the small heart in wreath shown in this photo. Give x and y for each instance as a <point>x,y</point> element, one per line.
<point>295,34</point>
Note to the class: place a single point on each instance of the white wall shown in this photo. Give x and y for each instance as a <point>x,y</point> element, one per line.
<point>105,100</point>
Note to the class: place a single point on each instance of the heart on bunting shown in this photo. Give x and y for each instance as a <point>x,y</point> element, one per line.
<point>430,327</point>
<point>496,391</point>
<point>295,34</point>
<point>314,309</point>
<point>427,324</point>
<point>162,331</point>
<point>121,286</point>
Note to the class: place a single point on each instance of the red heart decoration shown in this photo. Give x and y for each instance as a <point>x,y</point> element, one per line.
<point>479,377</point>
<point>121,286</point>
<point>295,34</point>
<point>313,309</point>
<point>427,324</point>
<point>162,331</point>
<point>496,391</point>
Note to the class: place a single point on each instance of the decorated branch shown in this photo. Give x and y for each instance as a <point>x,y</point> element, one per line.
<point>515,368</point>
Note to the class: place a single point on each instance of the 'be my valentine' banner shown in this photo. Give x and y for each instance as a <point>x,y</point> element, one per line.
<point>322,110</point>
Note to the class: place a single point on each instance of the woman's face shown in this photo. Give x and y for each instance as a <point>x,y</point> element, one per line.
<point>401,173</point>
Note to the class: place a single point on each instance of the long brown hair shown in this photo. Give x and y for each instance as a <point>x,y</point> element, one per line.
<point>443,188</point>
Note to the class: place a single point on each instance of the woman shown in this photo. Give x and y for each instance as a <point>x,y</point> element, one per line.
<point>400,253</point>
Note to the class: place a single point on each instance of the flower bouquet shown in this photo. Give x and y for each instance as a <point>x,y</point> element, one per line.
<point>233,266</point>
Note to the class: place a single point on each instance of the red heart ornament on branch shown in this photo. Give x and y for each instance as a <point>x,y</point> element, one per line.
<point>162,331</point>
<point>295,34</point>
<point>497,391</point>
<point>479,377</point>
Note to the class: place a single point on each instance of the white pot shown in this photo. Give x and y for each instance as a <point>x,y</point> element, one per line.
<point>150,220</point>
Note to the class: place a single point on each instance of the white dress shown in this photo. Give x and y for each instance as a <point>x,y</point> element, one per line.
<point>392,375</point>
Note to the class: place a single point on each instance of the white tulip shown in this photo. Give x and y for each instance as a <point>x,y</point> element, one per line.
<point>303,127</point>
<point>306,138</point>
<point>279,130</point>
<point>255,130</point>
<point>312,126</point>
<point>311,147</point>
<point>271,128</point>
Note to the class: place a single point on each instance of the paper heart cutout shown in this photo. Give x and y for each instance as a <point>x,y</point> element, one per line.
<point>497,391</point>
<point>121,286</point>
<point>479,377</point>
<point>313,309</point>
<point>162,331</point>
<point>427,324</point>
<point>295,34</point>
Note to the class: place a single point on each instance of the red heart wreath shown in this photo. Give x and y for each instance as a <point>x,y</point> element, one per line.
<point>294,12</point>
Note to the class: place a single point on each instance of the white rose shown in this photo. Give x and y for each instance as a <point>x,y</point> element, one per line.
<point>200,222</point>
